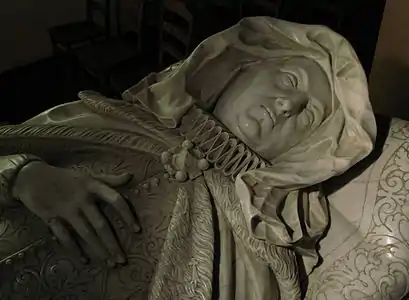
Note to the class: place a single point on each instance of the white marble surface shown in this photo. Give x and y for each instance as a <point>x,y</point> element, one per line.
<point>366,251</point>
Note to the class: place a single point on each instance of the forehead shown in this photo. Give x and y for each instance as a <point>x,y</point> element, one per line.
<point>303,67</point>
<point>311,77</point>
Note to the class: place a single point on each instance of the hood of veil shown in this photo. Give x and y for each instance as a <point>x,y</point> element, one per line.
<point>283,203</point>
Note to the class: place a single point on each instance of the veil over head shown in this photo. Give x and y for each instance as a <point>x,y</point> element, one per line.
<point>281,203</point>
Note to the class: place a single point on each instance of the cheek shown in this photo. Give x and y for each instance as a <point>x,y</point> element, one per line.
<point>284,136</point>
<point>229,107</point>
<point>287,130</point>
<point>249,127</point>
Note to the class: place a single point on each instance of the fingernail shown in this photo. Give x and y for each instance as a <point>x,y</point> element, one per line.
<point>136,228</point>
<point>84,260</point>
<point>110,263</point>
<point>120,259</point>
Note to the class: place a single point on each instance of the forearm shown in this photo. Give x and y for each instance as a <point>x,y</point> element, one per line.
<point>9,168</point>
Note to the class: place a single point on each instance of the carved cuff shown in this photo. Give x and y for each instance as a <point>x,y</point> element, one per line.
<point>9,168</point>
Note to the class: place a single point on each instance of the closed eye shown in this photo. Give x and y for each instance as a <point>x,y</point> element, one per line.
<point>287,80</point>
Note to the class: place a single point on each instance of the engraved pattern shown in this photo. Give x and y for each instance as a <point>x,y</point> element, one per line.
<point>183,253</point>
<point>48,275</point>
<point>378,266</point>
<point>145,123</point>
<point>231,159</point>
<point>281,260</point>
<point>46,271</point>
<point>190,229</point>
<point>154,207</point>
<point>19,228</point>
<point>186,266</point>
<point>41,271</point>
<point>52,140</point>
<point>4,190</point>
<point>399,129</point>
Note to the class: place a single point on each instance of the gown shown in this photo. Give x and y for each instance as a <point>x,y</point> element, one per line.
<point>186,249</point>
<point>202,238</point>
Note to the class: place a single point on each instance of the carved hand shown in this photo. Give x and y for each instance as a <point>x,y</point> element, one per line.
<point>66,199</point>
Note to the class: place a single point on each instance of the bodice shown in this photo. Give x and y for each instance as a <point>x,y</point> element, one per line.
<point>34,266</point>
<point>364,246</point>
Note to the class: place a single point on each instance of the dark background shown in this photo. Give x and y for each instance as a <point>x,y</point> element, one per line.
<point>28,90</point>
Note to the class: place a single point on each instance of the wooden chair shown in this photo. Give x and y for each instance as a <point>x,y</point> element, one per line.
<point>99,58</point>
<point>68,36</point>
<point>176,33</point>
<point>174,45</point>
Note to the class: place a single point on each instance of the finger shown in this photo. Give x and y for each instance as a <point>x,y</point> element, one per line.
<point>114,180</point>
<point>64,236</point>
<point>104,231</point>
<point>116,200</point>
<point>85,231</point>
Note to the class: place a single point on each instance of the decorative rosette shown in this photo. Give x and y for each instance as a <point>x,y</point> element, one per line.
<point>184,162</point>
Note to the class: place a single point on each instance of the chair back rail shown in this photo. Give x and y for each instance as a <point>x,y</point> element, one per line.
<point>176,32</point>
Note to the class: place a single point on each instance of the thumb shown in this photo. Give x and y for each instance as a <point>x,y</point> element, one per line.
<point>114,180</point>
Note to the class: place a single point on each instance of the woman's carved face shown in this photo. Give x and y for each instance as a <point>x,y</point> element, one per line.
<point>272,106</point>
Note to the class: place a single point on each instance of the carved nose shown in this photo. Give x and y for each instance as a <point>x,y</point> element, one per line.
<point>289,106</point>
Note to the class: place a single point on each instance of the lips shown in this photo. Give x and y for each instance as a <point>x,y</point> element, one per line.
<point>249,127</point>
<point>256,123</point>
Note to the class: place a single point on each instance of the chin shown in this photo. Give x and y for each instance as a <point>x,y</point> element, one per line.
<point>267,154</point>
<point>247,126</point>
<point>246,136</point>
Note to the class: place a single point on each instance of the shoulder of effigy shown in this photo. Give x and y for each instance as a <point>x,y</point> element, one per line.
<point>67,112</point>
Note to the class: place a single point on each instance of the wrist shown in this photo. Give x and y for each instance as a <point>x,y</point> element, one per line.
<point>18,185</point>
<point>10,166</point>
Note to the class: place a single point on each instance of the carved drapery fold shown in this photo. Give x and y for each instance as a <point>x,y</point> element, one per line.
<point>226,154</point>
<point>46,139</point>
<point>145,123</point>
